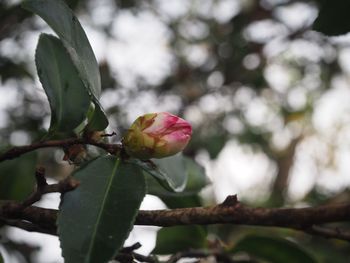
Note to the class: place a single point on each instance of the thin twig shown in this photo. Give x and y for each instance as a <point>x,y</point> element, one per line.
<point>30,227</point>
<point>130,257</point>
<point>109,134</point>
<point>19,150</point>
<point>43,187</point>
<point>329,232</point>
<point>131,248</point>
<point>127,254</point>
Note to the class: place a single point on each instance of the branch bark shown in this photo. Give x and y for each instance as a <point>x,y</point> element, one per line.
<point>18,151</point>
<point>26,216</point>
<point>230,212</point>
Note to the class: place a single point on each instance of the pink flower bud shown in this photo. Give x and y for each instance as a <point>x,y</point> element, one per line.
<point>157,135</point>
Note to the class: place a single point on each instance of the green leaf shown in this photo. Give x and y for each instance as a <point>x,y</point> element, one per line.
<point>69,101</point>
<point>151,169</point>
<point>174,170</point>
<point>274,250</point>
<point>66,25</point>
<point>17,177</point>
<point>98,120</point>
<point>1,259</point>
<point>181,201</point>
<point>197,180</point>
<point>333,17</point>
<point>169,172</point>
<point>179,238</point>
<point>96,218</point>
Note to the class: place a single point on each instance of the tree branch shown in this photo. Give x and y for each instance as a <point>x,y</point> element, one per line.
<point>328,232</point>
<point>127,254</point>
<point>30,227</point>
<point>18,151</point>
<point>63,186</point>
<point>229,212</point>
<point>298,218</point>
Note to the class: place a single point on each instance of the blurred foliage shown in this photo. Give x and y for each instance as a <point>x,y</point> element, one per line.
<point>273,250</point>
<point>179,238</point>
<point>19,251</point>
<point>220,72</point>
<point>17,177</point>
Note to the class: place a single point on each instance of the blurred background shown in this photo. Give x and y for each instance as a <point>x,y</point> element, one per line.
<point>268,98</point>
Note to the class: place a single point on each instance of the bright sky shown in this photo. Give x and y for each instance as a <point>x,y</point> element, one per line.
<point>139,47</point>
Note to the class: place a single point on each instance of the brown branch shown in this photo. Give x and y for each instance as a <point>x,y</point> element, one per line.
<point>19,150</point>
<point>127,255</point>
<point>229,212</point>
<point>43,187</point>
<point>30,227</point>
<point>328,232</point>
<point>284,161</point>
<point>298,218</point>
<point>42,222</point>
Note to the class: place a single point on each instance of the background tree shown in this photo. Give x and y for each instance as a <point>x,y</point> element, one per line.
<point>242,72</point>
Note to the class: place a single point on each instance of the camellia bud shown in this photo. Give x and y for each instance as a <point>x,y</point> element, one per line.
<point>157,135</point>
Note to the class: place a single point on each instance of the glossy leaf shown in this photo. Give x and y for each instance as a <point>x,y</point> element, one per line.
<point>274,250</point>
<point>175,239</point>
<point>169,172</point>
<point>150,168</point>
<point>96,218</point>
<point>17,177</point>
<point>66,25</point>
<point>197,180</point>
<point>174,170</point>
<point>69,101</point>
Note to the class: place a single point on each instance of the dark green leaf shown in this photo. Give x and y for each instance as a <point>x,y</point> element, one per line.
<point>67,95</point>
<point>197,180</point>
<point>17,177</point>
<point>174,170</point>
<point>96,218</point>
<point>333,17</point>
<point>274,250</point>
<point>98,120</point>
<point>150,168</point>
<point>179,238</point>
<point>62,20</point>
<point>1,259</point>
<point>169,172</point>
<point>66,25</point>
